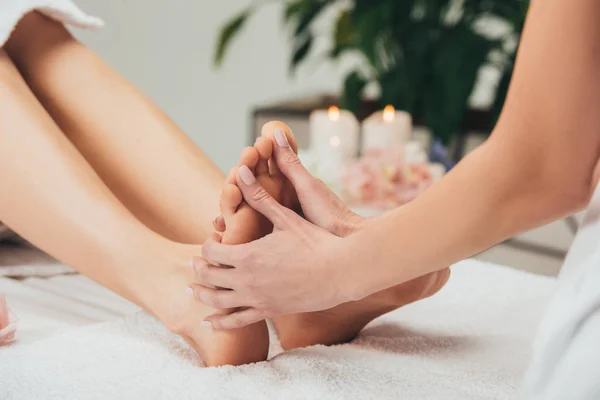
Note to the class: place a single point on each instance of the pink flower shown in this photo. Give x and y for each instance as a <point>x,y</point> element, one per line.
<point>382,180</point>
<point>8,323</point>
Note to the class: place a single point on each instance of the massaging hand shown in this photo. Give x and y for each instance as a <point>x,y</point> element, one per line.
<point>294,269</point>
<point>257,280</point>
<point>310,197</point>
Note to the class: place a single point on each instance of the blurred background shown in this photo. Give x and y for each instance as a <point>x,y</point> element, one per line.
<point>167,49</point>
<point>220,69</point>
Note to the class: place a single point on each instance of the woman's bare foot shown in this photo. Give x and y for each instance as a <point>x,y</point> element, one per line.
<point>342,323</point>
<point>339,220</point>
<point>339,324</point>
<point>183,314</point>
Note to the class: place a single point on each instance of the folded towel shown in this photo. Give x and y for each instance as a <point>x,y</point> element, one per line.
<point>471,341</point>
<point>11,11</point>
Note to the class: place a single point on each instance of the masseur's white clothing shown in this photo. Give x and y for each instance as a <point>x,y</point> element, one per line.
<point>566,362</point>
<point>11,11</point>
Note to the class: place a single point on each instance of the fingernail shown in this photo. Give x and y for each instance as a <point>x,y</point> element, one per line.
<point>219,222</point>
<point>246,175</point>
<point>189,291</point>
<point>280,138</point>
<point>192,264</point>
<point>206,324</point>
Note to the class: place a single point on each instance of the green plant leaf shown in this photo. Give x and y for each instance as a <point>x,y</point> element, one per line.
<point>308,14</point>
<point>354,84</point>
<point>301,51</point>
<point>396,88</point>
<point>292,9</point>
<point>228,32</point>
<point>345,31</point>
<point>365,6</point>
<point>458,58</point>
<point>369,31</point>
<point>344,35</point>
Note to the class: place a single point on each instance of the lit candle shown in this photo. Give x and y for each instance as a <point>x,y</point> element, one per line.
<point>334,142</point>
<point>386,129</point>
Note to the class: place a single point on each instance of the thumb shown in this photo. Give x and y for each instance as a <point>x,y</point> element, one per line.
<point>259,199</point>
<point>288,162</point>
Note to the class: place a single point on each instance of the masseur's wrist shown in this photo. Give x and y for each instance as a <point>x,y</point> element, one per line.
<point>365,271</point>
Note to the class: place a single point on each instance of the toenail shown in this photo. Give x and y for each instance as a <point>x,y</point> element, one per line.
<point>206,324</point>
<point>189,291</point>
<point>280,138</point>
<point>246,175</point>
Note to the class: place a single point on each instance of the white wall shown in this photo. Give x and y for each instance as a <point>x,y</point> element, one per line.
<point>166,49</point>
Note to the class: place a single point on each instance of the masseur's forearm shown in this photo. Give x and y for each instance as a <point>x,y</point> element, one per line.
<point>538,165</point>
<point>485,200</point>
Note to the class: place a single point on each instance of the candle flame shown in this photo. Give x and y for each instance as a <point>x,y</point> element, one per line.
<point>334,141</point>
<point>334,113</point>
<point>389,113</point>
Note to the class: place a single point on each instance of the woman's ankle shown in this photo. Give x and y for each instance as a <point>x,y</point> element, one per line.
<point>162,291</point>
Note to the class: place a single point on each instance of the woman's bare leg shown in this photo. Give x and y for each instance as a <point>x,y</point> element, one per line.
<point>87,98</point>
<point>52,197</point>
<point>145,159</point>
<point>154,169</point>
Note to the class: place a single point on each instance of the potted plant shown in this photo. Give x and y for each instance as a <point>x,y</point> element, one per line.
<point>425,55</point>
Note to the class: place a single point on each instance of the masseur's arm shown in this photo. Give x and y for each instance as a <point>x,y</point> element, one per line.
<point>538,165</point>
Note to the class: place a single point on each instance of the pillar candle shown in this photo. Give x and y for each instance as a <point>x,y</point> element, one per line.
<point>333,141</point>
<point>387,129</point>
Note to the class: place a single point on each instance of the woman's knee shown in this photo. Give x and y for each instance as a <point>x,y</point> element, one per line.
<point>34,34</point>
<point>5,63</point>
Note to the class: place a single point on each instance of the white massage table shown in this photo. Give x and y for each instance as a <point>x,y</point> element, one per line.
<point>471,341</point>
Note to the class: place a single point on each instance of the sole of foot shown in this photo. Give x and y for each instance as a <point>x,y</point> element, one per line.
<point>339,324</point>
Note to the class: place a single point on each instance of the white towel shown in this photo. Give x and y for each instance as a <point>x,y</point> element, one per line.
<point>11,11</point>
<point>471,341</point>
